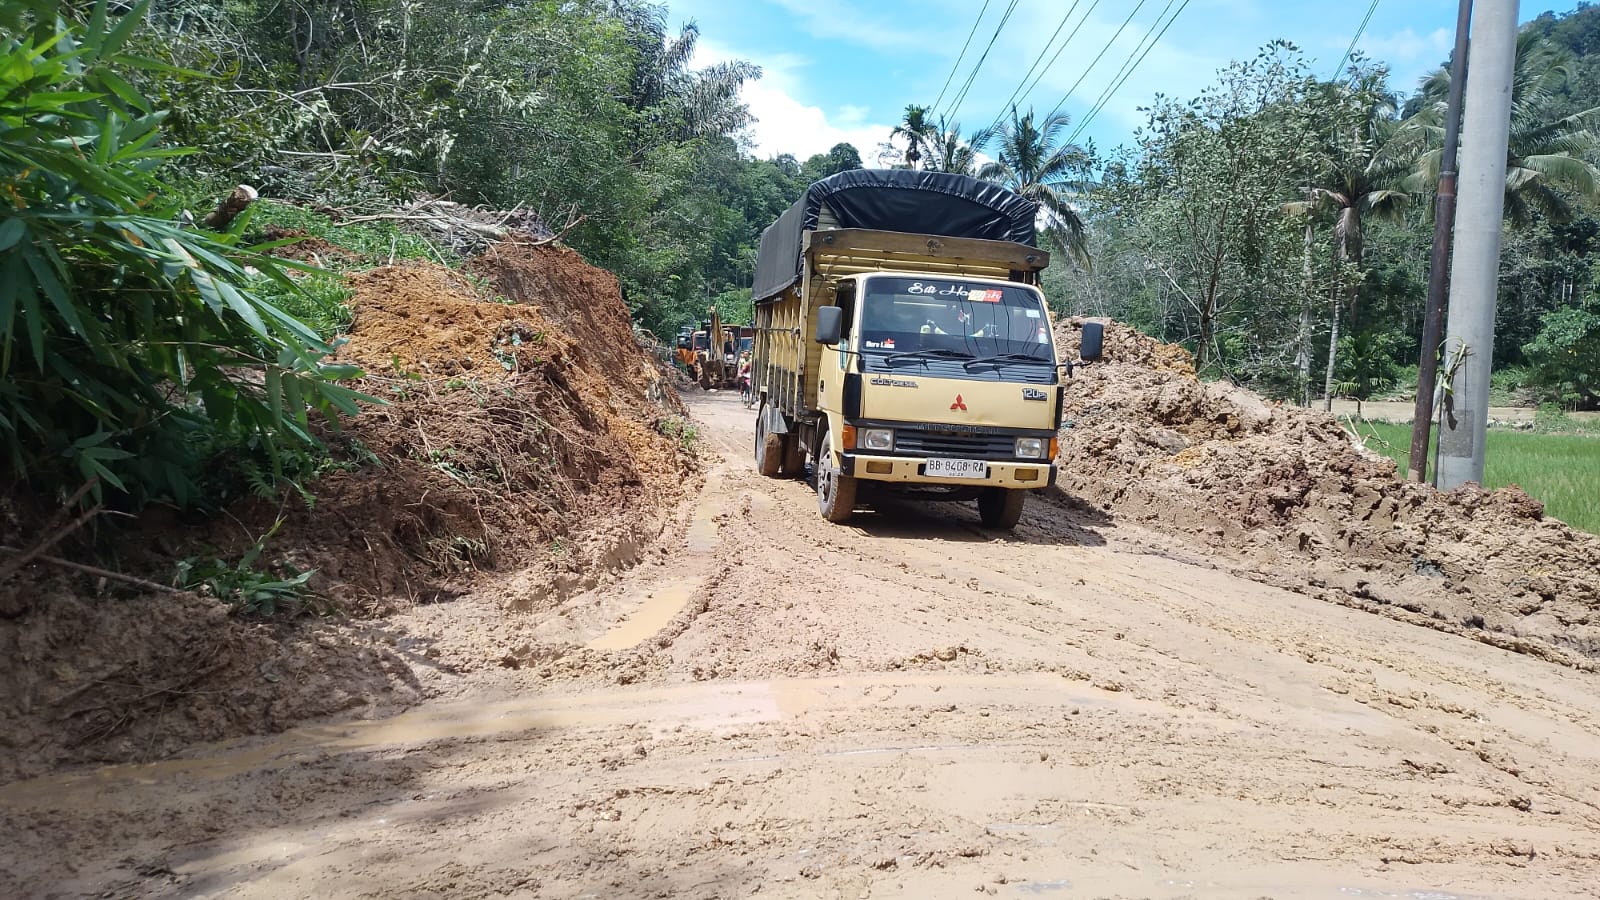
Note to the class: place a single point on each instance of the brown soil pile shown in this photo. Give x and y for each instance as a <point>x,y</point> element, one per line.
<point>305,247</point>
<point>1289,491</point>
<point>142,677</point>
<point>527,439</point>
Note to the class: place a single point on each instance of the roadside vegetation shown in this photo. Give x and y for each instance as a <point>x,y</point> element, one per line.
<point>1276,223</point>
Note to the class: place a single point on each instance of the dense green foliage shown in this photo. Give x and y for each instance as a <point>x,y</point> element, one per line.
<point>131,347</point>
<point>587,112</point>
<point>1279,220</point>
<point>1276,223</point>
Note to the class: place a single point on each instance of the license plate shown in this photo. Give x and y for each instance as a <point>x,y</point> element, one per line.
<point>957,468</point>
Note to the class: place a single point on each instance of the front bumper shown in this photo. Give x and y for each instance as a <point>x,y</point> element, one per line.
<point>909,469</point>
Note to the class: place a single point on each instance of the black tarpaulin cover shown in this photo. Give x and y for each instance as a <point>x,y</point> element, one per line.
<point>892,200</point>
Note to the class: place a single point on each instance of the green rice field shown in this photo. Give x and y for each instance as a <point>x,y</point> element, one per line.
<point>1563,470</point>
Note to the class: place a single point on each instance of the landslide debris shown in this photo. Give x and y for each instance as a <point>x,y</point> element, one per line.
<point>1288,493</point>
<point>527,438</point>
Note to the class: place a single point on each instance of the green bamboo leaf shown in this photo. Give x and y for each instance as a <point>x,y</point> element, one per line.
<point>131,19</point>
<point>44,275</point>
<point>11,231</point>
<point>294,400</point>
<point>273,394</point>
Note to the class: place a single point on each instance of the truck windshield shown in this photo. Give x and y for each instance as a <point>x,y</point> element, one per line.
<point>951,317</point>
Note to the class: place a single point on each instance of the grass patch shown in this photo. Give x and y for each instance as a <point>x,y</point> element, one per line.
<point>1563,470</point>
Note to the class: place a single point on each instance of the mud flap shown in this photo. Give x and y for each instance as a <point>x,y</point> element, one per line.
<point>776,422</point>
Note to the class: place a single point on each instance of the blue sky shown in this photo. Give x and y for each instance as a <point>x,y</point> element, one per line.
<point>843,70</point>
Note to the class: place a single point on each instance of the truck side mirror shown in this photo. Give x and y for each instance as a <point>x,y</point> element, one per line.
<point>830,324</point>
<point>1093,342</point>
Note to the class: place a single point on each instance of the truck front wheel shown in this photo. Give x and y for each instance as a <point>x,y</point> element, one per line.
<point>1000,507</point>
<point>836,491</point>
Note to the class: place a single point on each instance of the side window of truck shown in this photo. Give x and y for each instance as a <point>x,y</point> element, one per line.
<point>846,300</point>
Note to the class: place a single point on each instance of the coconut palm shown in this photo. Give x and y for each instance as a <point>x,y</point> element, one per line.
<point>918,131</point>
<point>1029,162</point>
<point>1369,156</point>
<point>950,152</point>
<point>683,103</point>
<point>1545,154</point>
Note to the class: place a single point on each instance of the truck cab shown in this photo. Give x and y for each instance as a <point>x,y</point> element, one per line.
<point>903,345</point>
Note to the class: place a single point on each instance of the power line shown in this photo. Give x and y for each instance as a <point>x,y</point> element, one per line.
<point>1096,61</point>
<point>1087,13</point>
<point>1040,58</point>
<point>955,104</point>
<point>1351,49</point>
<point>963,54</point>
<point>1126,72</point>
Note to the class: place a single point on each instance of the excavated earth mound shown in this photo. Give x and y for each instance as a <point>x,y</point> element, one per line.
<point>1288,494</point>
<point>527,438</point>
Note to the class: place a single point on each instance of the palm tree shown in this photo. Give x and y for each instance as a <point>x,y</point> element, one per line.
<point>1029,162</point>
<point>950,152</point>
<point>1370,154</point>
<point>917,131</point>
<point>679,102</point>
<point>1546,154</point>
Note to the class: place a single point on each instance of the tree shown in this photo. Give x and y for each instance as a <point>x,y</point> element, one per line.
<point>1548,154</point>
<point>1368,154</point>
<point>841,158</point>
<point>1202,243</point>
<point>1366,364</point>
<point>917,132</point>
<point>952,153</point>
<point>1029,161</point>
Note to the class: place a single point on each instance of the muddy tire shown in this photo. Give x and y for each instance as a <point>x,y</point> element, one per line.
<point>769,448</point>
<point>836,491</point>
<point>1001,508</point>
<point>794,458</point>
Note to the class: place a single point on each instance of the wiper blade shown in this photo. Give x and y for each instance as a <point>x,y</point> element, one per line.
<point>931,351</point>
<point>1005,357</point>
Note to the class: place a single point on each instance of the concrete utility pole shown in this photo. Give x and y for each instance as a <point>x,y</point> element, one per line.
<point>1475,264</point>
<point>1444,219</point>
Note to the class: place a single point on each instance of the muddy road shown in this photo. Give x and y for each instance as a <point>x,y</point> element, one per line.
<point>909,706</point>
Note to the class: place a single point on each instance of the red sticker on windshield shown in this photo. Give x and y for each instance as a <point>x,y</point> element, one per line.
<point>984,296</point>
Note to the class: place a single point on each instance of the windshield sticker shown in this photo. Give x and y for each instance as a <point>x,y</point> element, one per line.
<point>885,344</point>
<point>957,290</point>
<point>1032,313</point>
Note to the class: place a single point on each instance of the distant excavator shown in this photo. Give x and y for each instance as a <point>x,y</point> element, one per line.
<point>711,352</point>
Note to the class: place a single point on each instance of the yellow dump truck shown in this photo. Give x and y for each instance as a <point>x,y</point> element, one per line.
<point>903,345</point>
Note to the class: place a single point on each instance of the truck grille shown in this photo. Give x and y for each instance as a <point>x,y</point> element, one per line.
<point>969,446</point>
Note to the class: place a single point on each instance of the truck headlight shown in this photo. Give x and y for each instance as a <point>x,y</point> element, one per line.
<point>1030,448</point>
<point>877,439</point>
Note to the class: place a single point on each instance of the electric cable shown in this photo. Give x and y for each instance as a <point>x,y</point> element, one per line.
<point>962,55</point>
<point>1360,29</point>
<point>1118,82</point>
<point>955,103</point>
<point>1096,61</point>
<point>1040,58</point>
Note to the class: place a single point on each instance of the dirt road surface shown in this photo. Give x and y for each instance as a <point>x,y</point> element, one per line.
<point>909,706</point>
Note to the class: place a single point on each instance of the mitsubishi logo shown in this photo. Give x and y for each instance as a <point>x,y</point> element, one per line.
<point>959,404</point>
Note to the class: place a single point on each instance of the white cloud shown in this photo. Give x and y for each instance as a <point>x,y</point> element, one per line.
<point>787,125</point>
<point>1406,46</point>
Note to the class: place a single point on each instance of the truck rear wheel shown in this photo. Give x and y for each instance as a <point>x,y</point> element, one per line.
<point>836,491</point>
<point>769,447</point>
<point>1000,507</point>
